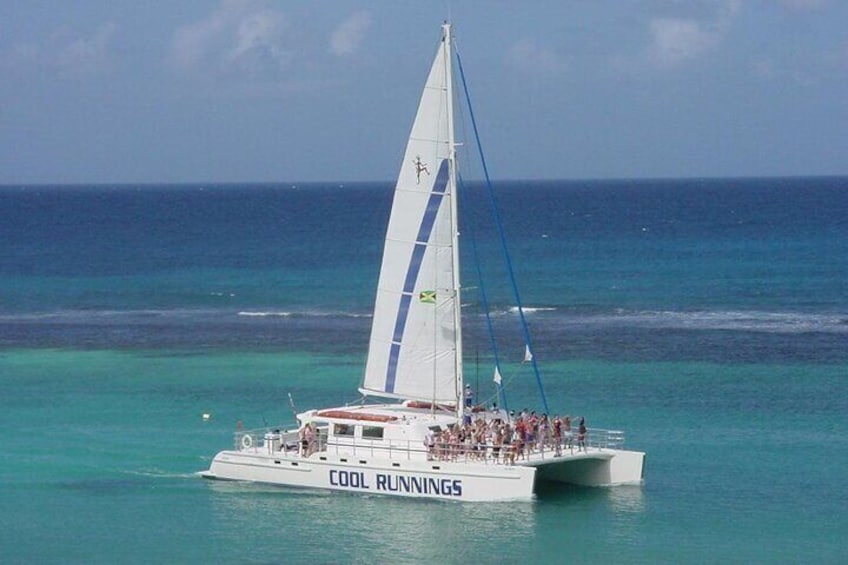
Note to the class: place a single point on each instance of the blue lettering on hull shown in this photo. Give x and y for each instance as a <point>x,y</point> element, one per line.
<point>351,479</point>
<point>405,484</point>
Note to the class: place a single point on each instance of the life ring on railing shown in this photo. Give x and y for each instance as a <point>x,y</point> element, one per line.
<point>246,441</point>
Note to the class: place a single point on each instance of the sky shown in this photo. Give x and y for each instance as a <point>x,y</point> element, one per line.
<point>197,91</point>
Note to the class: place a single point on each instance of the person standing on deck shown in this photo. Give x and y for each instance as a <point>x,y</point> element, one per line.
<point>557,436</point>
<point>430,443</point>
<point>581,435</point>
<point>310,439</point>
<point>302,441</point>
<point>567,434</point>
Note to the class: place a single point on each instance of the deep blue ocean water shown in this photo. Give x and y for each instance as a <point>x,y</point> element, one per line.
<point>707,318</point>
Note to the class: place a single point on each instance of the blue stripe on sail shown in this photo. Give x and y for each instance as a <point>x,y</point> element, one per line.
<point>412,270</point>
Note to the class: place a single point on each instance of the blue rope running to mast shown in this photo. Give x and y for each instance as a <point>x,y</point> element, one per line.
<point>497,216</point>
<point>485,300</point>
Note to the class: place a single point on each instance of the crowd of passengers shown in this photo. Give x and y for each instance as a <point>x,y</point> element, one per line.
<point>501,440</point>
<point>506,440</point>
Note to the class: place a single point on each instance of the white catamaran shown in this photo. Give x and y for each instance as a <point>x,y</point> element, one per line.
<point>425,439</point>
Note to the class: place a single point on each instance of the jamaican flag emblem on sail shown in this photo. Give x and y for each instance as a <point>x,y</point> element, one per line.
<point>427,297</point>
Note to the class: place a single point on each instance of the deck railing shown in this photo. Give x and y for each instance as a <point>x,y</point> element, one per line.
<point>288,441</point>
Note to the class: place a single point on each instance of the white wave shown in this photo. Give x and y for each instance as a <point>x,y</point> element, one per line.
<point>161,474</point>
<point>264,314</point>
<point>732,320</point>
<point>531,309</point>
<point>305,314</point>
<point>105,315</point>
<point>110,316</point>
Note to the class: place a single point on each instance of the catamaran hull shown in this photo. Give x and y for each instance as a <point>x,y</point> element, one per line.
<point>598,467</point>
<point>414,479</point>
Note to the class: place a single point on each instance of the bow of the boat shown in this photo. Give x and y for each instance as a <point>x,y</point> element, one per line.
<point>595,467</point>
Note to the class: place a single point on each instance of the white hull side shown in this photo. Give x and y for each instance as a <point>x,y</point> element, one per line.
<point>598,467</point>
<point>416,479</point>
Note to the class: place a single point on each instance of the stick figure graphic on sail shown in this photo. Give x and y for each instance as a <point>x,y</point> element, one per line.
<point>420,167</point>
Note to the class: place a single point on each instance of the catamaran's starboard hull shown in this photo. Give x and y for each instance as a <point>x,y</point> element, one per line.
<point>414,479</point>
<point>595,468</point>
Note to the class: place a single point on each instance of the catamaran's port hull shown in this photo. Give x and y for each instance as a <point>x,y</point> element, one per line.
<point>430,479</point>
<point>415,479</point>
<point>595,468</point>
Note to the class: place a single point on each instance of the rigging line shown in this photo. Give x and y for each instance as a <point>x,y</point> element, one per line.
<point>484,299</point>
<point>497,216</point>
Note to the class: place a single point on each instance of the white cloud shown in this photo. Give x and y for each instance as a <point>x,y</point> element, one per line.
<point>238,35</point>
<point>192,42</point>
<point>65,52</point>
<point>527,55</point>
<point>675,40</point>
<point>348,36</point>
<point>259,41</point>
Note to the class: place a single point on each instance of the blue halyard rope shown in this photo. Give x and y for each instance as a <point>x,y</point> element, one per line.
<point>485,300</point>
<point>497,216</point>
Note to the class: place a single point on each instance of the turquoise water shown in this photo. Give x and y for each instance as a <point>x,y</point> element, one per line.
<point>716,340</point>
<point>744,463</point>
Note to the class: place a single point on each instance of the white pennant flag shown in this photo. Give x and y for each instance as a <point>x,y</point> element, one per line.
<point>527,355</point>
<point>497,378</point>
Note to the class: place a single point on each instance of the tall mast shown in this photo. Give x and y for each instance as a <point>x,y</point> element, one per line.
<point>460,391</point>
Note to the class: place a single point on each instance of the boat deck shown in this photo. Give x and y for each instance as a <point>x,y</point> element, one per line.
<point>275,442</point>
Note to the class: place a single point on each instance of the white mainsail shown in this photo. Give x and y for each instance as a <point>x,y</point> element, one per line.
<point>415,346</point>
